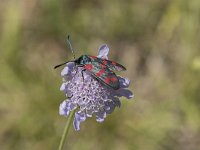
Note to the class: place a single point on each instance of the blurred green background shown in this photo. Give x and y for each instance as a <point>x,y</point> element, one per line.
<point>158,42</point>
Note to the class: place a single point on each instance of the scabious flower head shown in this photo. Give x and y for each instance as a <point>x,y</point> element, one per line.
<point>87,96</point>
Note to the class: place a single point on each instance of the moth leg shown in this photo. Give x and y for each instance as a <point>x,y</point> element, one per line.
<point>82,73</point>
<point>78,67</point>
<point>81,70</point>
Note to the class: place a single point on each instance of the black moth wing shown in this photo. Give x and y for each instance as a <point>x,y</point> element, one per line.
<point>110,64</point>
<point>103,74</point>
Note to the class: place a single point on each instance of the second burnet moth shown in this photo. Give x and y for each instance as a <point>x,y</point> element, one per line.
<point>101,69</point>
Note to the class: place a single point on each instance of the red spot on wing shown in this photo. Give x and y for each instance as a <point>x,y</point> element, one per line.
<point>88,66</point>
<point>105,62</point>
<point>93,57</point>
<point>102,66</point>
<point>100,72</point>
<point>107,80</point>
<point>113,79</point>
<point>114,63</point>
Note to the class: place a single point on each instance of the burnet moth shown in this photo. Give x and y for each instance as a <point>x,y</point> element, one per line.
<point>101,69</point>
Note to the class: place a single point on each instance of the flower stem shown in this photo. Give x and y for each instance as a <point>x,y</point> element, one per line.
<point>66,130</point>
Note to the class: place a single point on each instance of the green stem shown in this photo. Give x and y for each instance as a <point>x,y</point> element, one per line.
<point>66,130</point>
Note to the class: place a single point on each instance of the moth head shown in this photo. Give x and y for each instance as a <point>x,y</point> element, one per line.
<point>83,60</point>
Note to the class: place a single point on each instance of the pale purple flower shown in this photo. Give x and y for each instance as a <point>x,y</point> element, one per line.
<point>87,96</point>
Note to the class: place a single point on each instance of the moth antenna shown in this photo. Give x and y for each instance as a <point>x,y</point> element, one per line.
<point>70,46</point>
<point>61,64</point>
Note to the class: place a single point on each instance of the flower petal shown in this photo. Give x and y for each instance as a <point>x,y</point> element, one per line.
<point>100,116</point>
<point>103,51</point>
<point>89,112</point>
<point>68,93</point>
<point>76,124</point>
<point>124,92</point>
<point>124,82</point>
<point>63,110</point>
<point>72,106</point>
<point>79,117</point>
<point>62,87</point>
<point>116,101</point>
<point>70,65</point>
<point>67,71</point>
<point>110,107</point>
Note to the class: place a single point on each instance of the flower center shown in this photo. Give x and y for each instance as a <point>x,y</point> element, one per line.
<point>88,93</point>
